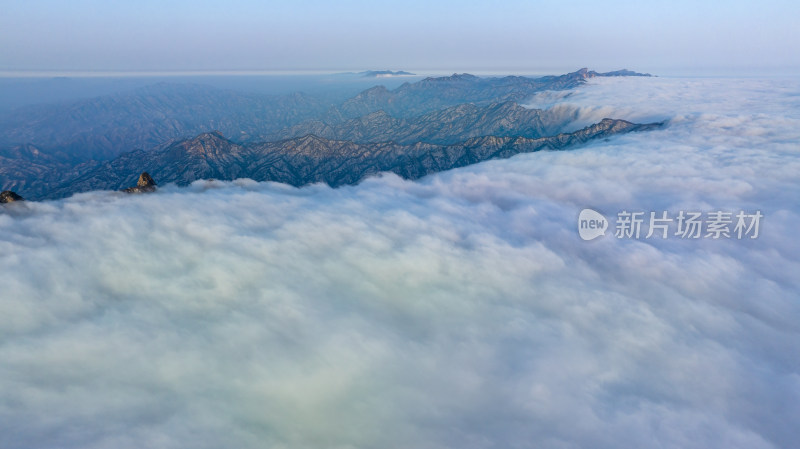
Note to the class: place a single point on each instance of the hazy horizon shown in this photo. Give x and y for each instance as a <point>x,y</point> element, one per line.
<point>680,38</point>
<point>532,72</point>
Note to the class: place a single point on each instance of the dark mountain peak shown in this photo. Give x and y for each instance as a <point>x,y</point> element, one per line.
<point>383,73</point>
<point>580,76</point>
<point>311,145</point>
<point>583,73</point>
<point>461,76</point>
<point>308,138</point>
<point>624,72</point>
<point>586,73</point>
<point>211,138</point>
<point>454,77</point>
<point>610,123</point>
<point>7,196</point>
<point>212,135</point>
<point>205,145</point>
<point>145,184</point>
<point>609,126</point>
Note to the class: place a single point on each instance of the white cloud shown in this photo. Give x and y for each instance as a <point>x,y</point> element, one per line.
<point>459,311</point>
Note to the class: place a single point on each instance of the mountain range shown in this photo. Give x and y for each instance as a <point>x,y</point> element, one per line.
<point>310,159</point>
<point>384,73</point>
<point>52,151</point>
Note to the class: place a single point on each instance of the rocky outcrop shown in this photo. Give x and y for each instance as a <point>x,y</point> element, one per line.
<point>7,196</point>
<point>144,185</point>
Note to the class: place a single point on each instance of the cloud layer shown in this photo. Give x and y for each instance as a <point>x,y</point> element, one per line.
<point>459,311</point>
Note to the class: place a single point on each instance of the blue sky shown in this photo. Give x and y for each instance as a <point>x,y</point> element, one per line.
<point>523,36</point>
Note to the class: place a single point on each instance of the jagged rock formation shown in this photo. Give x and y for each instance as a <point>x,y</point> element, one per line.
<point>312,159</point>
<point>7,196</point>
<point>143,185</point>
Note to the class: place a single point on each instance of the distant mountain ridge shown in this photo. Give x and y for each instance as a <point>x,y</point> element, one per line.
<point>103,127</point>
<point>431,94</point>
<point>312,159</point>
<point>101,143</point>
<point>445,126</point>
<point>383,73</point>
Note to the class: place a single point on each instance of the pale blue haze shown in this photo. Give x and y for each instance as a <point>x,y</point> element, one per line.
<point>682,37</point>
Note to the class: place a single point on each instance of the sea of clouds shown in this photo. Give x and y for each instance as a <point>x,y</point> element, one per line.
<point>462,310</point>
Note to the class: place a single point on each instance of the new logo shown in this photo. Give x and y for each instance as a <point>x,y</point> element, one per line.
<point>591,224</point>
